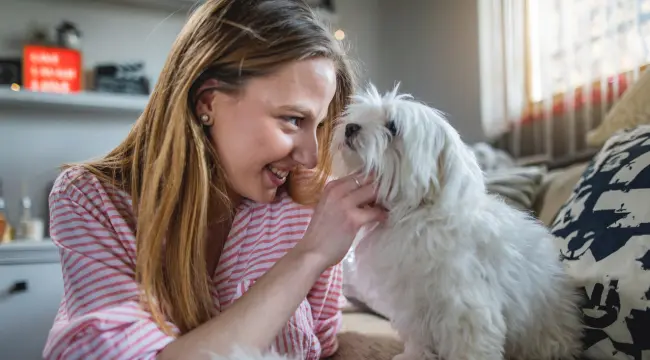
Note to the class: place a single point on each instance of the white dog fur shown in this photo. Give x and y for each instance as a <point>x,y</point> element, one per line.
<point>462,275</point>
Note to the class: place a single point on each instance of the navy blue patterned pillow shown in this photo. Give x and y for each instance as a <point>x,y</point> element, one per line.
<point>603,233</point>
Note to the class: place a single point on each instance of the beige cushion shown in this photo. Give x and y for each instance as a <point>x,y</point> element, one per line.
<point>556,189</point>
<point>366,336</point>
<point>632,109</point>
<point>368,324</point>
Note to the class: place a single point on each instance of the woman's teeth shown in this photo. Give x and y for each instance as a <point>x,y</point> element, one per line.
<point>280,174</point>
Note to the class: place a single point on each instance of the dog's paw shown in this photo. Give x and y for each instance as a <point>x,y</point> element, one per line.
<point>404,356</point>
<point>413,356</point>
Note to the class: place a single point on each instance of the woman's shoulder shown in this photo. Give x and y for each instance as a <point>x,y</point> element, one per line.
<point>75,176</point>
<point>91,220</point>
<point>86,210</point>
<point>78,184</point>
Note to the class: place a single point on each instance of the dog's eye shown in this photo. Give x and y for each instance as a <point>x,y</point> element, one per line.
<point>391,127</point>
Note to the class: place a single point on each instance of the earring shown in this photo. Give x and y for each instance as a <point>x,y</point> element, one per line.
<point>206,120</point>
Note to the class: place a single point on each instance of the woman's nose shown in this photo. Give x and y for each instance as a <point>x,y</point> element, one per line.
<point>306,150</point>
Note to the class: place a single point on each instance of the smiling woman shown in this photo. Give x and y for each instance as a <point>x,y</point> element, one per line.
<point>210,225</point>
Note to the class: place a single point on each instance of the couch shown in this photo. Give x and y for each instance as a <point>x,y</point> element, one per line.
<point>366,335</point>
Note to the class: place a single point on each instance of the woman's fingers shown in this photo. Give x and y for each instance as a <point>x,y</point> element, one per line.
<point>365,195</point>
<point>348,184</point>
<point>369,215</point>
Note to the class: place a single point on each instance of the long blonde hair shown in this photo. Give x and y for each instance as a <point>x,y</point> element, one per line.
<point>167,163</point>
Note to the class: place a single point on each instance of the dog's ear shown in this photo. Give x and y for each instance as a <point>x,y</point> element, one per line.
<point>457,175</point>
<point>441,173</point>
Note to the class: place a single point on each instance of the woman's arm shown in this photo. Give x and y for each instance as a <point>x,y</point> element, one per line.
<point>325,301</point>
<point>255,319</point>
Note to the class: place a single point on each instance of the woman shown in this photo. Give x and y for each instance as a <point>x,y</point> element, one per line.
<point>196,233</point>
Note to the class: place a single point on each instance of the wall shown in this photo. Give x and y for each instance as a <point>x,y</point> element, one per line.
<point>34,143</point>
<point>360,21</point>
<point>432,48</point>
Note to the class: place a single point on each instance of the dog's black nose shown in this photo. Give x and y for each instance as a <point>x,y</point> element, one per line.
<point>351,129</point>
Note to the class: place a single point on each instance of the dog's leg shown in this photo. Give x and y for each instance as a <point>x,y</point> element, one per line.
<point>412,328</point>
<point>471,330</point>
<point>413,351</point>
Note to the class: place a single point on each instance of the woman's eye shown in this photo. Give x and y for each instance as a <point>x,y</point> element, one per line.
<point>294,120</point>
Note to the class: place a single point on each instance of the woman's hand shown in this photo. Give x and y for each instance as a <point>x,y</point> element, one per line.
<point>345,207</point>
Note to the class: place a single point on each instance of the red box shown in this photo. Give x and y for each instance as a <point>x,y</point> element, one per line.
<point>51,69</point>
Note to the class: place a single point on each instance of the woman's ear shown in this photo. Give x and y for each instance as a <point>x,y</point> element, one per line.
<point>205,97</point>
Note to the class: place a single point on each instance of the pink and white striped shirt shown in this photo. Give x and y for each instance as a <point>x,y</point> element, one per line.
<point>100,316</point>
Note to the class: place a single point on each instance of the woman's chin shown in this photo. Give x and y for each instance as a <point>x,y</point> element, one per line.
<point>264,196</point>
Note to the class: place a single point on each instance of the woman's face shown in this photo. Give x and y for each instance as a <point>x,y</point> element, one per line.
<point>269,129</point>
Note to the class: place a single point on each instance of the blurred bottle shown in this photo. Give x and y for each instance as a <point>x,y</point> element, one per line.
<point>30,227</point>
<point>5,228</point>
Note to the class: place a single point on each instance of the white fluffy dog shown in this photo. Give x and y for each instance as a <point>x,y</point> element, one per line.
<point>462,275</point>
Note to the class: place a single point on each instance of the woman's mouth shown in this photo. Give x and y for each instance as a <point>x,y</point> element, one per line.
<point>276,175</point>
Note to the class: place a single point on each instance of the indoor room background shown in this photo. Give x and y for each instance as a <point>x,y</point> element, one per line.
<point>530,77</point>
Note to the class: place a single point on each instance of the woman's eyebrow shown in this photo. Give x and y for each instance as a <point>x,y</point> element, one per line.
<point>305,112</point>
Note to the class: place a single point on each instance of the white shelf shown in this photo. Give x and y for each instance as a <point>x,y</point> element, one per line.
<point>93,101</point>
<point>28,252</point>
<point>18,244</point>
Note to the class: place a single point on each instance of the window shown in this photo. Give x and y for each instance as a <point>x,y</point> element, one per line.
<point>575,43</point>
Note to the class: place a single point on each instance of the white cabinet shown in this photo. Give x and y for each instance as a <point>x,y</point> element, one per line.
<point>27,314</point>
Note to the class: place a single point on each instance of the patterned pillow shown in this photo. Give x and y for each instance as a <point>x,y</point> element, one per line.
<point>603,234</point>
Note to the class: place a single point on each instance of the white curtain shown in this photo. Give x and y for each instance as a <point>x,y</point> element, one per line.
<point>538,56</point>
<point>503,71</point>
